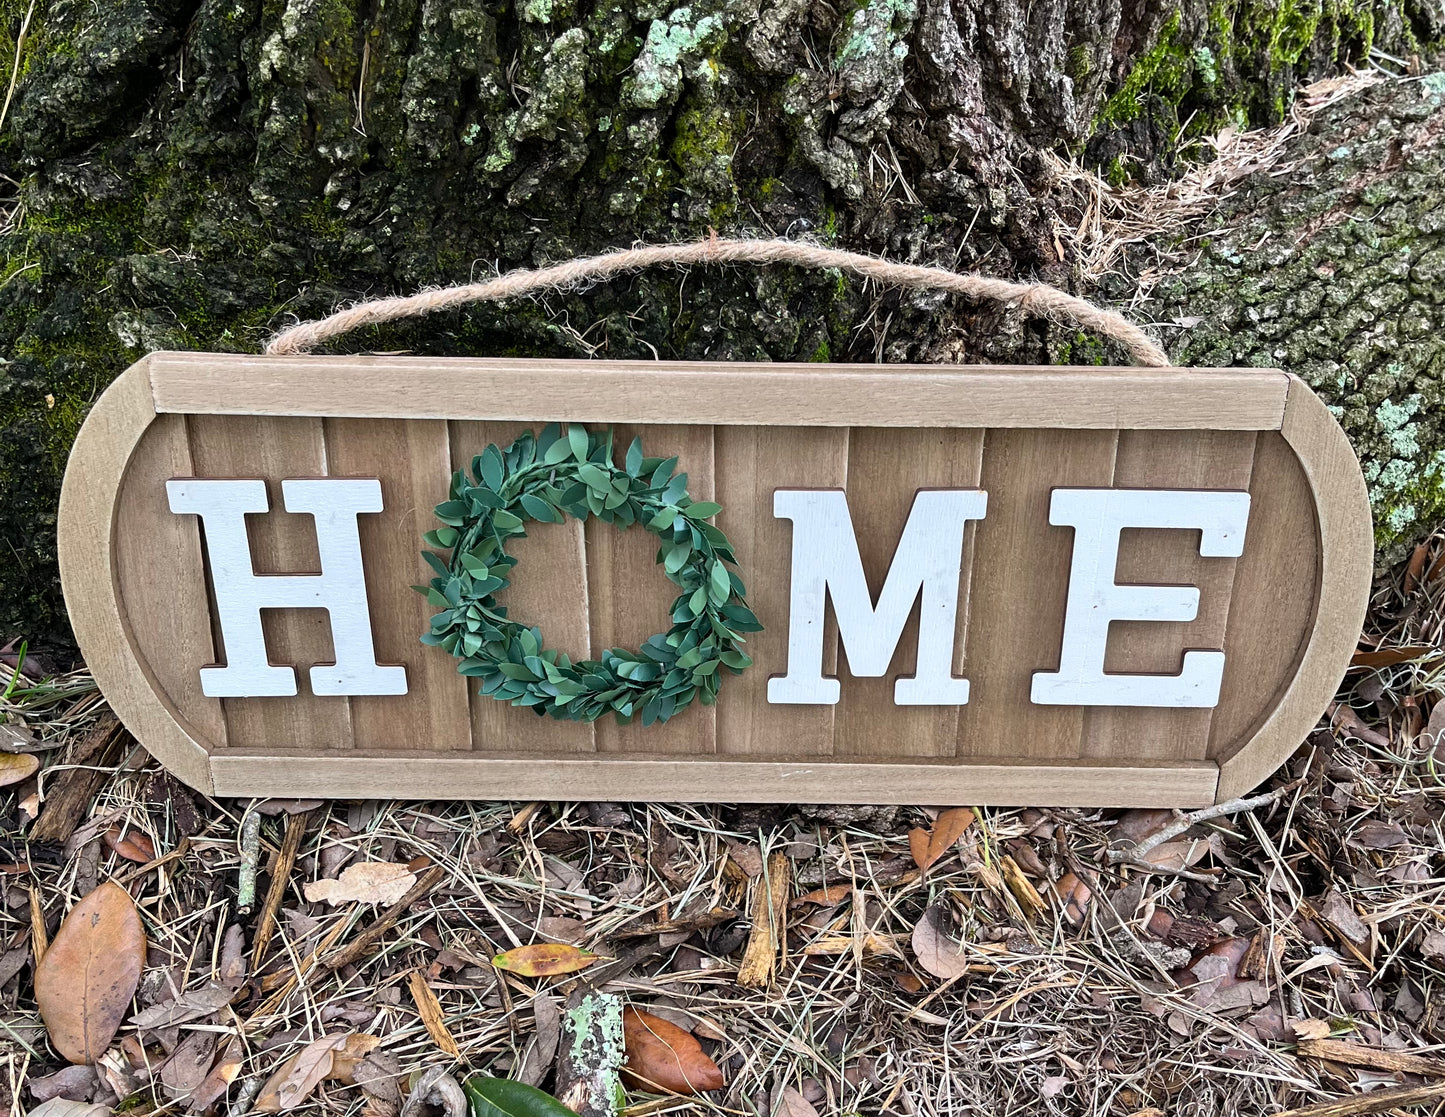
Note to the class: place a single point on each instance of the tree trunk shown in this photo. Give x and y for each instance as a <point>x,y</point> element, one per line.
<point>195,174</point>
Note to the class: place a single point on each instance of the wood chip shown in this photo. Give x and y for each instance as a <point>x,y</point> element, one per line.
<point>1358,1055</point>
<point>431,1014</point>
<point>1376,1101</point>
<point>770,908</point>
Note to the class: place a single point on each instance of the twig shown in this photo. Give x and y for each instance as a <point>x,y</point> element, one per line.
<point>1358,1055</point>
<point>183,848</point>
<point>1135,854</point>
<point>430,1010</point>
<point>249,844</point>
<point>770,911</point>
<point>1376,1101</point>
<point>280,878</point>
<point>39,937</point>
<point>363,942</point>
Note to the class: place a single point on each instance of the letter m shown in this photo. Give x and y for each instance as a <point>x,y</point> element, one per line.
<point>826,563</point>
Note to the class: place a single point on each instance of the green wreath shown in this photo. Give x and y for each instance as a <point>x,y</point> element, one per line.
<point>540,478</point>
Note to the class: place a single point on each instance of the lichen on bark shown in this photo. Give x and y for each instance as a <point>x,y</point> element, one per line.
<point>196,173</point>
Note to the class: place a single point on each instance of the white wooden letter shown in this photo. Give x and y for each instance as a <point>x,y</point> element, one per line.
<point>1097,517</point>
<point>241,593</point>
<point>826,562</point>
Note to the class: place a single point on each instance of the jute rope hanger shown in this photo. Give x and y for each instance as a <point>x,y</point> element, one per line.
<point>1038,299</point>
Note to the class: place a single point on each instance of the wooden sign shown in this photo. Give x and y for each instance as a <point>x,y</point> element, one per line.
<point>1078,586</point>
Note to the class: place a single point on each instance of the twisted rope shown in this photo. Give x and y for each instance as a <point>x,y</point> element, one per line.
<point>1037,299</point>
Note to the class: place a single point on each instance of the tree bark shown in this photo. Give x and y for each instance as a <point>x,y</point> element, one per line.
<point>196,173</point>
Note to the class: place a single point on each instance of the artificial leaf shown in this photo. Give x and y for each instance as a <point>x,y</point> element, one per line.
<point>544,959</point>
<point>661,1057</point>
<point>17,766</point>
<point>371,882</point>
<point>504,1097</point>
<point>85,980</point>
<point>936,951</point>
<point>927,846</point>
<point>133,845</point>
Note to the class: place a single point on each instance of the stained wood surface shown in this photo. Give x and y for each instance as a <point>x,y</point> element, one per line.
<point>724,394</point>
<point>593,587</point>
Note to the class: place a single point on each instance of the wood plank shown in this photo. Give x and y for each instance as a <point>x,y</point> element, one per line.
<point>886,468</point>
<point>172,611</point>
<point>412,459</point>
<point>1269,619</point>
<point>721,392</point>
<point>1168,460</point>
<point>281,543</point>
<point>1346,548</point>
<point>753,463</point>
<point>86,532</point>
<point>722,780</point>
<point>630,598</point>
<point>549,591</point>
<point>1020,584</point>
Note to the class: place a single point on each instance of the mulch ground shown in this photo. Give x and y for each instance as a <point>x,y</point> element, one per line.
<point>1256,962</point>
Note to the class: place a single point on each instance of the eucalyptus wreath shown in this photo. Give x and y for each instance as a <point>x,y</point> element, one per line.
<point>545,478</point>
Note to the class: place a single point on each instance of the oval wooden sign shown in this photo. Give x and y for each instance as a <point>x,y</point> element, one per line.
<point>1075,586</point>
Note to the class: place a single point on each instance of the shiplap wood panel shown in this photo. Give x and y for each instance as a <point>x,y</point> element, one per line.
<point>549,590</point>
<point>161,577</point>
<point>1168,460</point>
<point>276,449</point>
<point>886,468</point>
<point>1269,618</point>
<point>412,460</point>
<point>753,462</point>
<point>1020,583</point>
<point>629,598</point>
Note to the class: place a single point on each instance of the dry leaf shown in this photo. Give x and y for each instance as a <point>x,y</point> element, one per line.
<point>1073,897</point>
<point>210,998</point>
<point>132,845</point>
<point>63,1107</point>
<point>1388,657</point>
<point>927,846</point>
<point>221,1075</point>
<point>357,1047</point>
<point>544,959</point>
<point>186,1069</point>
<point>661,1057</point>
<point>935,950</point>
<point>372,882</point>
<point>790,1103</point>
<point>85,982</point>
<point>1310,1028</point>
<point>74,1083</point>
<point>824,897</point>
<point>304,1071</point>
<point>16,767</point>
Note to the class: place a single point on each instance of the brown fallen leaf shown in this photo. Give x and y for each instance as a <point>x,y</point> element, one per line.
<point>544,959</point>
<point>1073,897</point>
<point>1388,657</point>
<point>927,846</point>
<point>294,1079</point>
<point>222,1073</point>
<point>85,982</point>
<point>938,952</point>
<point>371,882</point>
<point>790,1103</point>
<point>15,767</point>
<point>663,1058</point>
<point>824,897</point>
<point>133,845</point>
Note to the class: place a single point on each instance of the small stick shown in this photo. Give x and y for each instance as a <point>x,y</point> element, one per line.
<point>1135,854</point>
<point>363,942</point>
<point>518,821</point>
<point>165,859</point>
<point>250,849</point>
<point>430,1010</point>
<point>1376,1101</point>
<point>276,892</point>
<point>1358,1055</point>
<point>39,939</point>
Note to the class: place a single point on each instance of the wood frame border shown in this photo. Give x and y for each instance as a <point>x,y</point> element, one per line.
<point>861,395</point>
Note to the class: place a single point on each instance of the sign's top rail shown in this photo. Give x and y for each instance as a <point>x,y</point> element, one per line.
<point>720,393</point>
